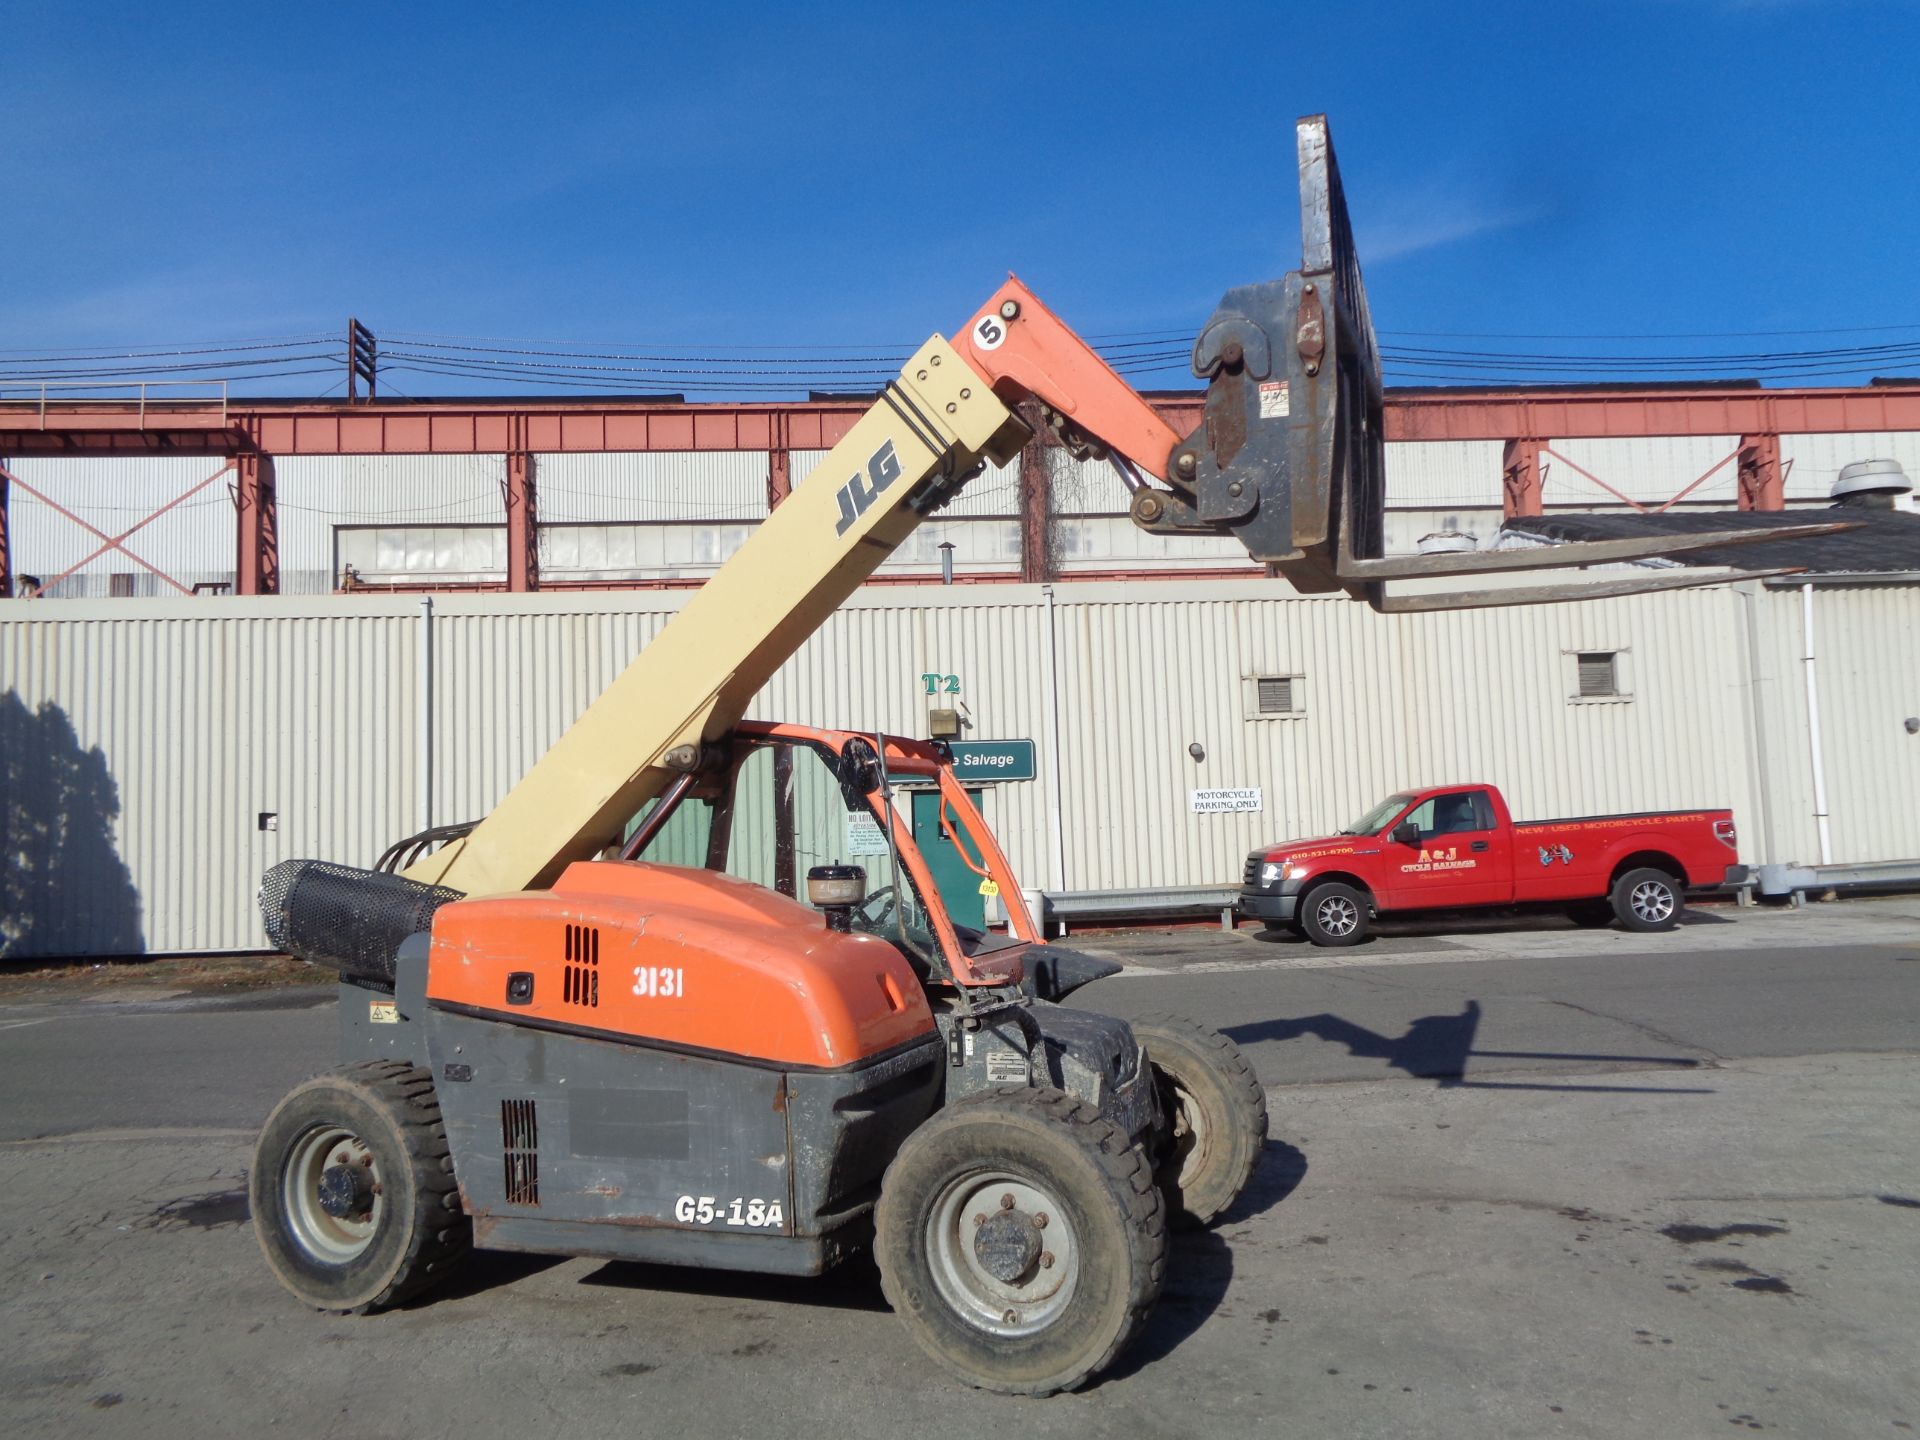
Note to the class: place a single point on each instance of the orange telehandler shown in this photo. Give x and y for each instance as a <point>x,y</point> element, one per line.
<point>648,1009</point>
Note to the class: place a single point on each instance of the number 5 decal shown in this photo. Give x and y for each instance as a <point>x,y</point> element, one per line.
<point>989,332</point>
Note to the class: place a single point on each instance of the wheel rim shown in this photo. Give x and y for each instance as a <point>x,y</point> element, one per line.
<point>332,1167</point>
<point>1192,1143</point>
<point>1652,901</point>
<point>1337,915</point>
<point>972,1230</point>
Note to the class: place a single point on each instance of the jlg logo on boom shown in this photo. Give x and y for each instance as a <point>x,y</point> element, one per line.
<point>855,498</point>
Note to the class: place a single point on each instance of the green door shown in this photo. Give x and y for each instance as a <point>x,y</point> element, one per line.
<point>958,885</point>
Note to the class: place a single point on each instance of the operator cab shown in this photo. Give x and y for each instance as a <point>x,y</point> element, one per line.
<point>811,815</point>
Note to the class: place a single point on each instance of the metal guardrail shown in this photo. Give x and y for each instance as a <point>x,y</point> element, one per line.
<point>35,392</point>
<point>1799,880</point>
<point>1063,906</point>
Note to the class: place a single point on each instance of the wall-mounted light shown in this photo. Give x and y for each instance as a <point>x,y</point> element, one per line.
<point>1197,751</point>
<point>1913,724</point>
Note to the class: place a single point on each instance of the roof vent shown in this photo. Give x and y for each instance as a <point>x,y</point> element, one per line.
<point>1871,477</point>
<point>1447,542</point>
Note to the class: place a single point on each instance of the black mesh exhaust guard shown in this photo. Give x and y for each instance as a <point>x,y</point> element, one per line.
<point>346,919</point>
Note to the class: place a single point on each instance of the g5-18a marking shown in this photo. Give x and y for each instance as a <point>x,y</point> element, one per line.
<point>855,498</point>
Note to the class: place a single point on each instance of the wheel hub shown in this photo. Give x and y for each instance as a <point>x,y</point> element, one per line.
<point>345,1191</point>
<point>1007,1245</point>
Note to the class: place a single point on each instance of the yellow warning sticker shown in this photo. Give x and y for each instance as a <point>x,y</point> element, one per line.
<point>383,1012</point>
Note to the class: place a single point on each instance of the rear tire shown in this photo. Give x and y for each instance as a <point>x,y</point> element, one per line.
<point>1592,915</point>
<point>1069,1270</point>
<point>1335,914</point>
<point>352,1189</point>
<point>1647,900</point>
<point>1216,1117</point>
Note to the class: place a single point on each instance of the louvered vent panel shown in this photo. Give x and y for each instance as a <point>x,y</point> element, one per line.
<point>581,985</point>
<point>1276,694</point>
<point>520,1142</point>
<point>1597,674</point>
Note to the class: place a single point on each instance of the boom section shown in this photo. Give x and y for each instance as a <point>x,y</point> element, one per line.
<point>928,431</point>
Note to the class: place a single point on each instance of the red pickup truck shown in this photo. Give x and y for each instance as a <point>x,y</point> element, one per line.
<point>1455,847</point>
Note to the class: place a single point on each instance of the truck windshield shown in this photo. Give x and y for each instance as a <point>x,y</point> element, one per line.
<point>1372,822</point>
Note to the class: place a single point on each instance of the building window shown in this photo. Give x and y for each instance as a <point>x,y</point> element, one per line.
<point>1274,697</point>
<point>1597,675</point>
<point>120,583</point>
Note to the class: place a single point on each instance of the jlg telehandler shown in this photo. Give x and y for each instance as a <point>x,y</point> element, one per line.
<point>644,1010</point>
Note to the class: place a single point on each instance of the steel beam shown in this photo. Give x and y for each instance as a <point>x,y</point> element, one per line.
<point>1630,411</point>
<point>257,525</point>
<point>779,464</point>
<point>1762,483</point>
<point>523,528</point>
<point>485,426</point>
<point>1520,478</point>
<point>1036,506</point>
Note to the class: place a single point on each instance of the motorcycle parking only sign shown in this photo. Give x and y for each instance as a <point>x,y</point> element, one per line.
<point>1224,802</point>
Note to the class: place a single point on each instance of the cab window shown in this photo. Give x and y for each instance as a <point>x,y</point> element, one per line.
<point>1458,812</point>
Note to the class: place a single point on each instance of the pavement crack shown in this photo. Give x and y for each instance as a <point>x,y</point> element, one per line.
<point>1713,1059</point>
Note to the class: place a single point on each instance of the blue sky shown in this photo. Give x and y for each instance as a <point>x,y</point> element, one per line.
<point>855,176</point>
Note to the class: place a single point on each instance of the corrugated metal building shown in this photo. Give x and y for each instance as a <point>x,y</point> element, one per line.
<point>674,517</point>
<point>161,754</point>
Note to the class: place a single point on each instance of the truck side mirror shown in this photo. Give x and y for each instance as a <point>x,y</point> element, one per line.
<point>834,890</point>
<point>1405,833</point>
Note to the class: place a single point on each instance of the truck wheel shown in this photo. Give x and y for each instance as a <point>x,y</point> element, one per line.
<point>1592,915</point>
<point>1216,1113</point>
<point>352,1189</point>
<point>1335,914</point>
<point>1021,1239</point>
<point>1647,900</point>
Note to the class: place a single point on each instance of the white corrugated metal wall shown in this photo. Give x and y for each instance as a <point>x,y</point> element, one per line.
<point>193,542</point>
<point>413,517</point>
<point>178,724</point>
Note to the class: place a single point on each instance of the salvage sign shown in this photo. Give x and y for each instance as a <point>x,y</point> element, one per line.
<point>1224,802</point>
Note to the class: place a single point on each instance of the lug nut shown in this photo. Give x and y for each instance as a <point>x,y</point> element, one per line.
<point>1040,1220</point>
<point>1012,1317</point>
<point>1046,1259</point>
<point>1006,1201</point>
<point>979,1219</point>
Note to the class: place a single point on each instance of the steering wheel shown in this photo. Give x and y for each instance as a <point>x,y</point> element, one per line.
<point>874,919</point>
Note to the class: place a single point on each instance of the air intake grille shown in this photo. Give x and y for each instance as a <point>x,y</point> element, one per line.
<point>582,985</point>
<point>1275,694</point>
<point>1598,675</point>
<point>520,1140</point>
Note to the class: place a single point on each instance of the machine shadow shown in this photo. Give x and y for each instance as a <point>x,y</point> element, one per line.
<point>1200,1269</point>
<point>852,1285</point>
<point>1439,1047</point>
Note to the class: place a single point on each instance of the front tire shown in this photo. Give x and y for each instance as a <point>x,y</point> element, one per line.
<point>1216,1116</point>
<point>1335,914</point>
<point>1021,1240</point>
<point>352,1189</point>
<point>1647,900</point>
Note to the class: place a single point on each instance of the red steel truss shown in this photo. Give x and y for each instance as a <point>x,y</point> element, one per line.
<point>248,434</point>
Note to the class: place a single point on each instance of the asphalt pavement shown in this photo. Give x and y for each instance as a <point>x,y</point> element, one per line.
<point>1524,1181</point>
